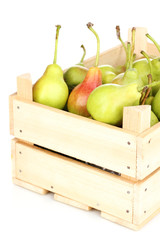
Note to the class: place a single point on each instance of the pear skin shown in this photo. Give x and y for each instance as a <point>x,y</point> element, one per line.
<point>105,70</point>
<point>77,101</point>
<point>154,119</point>
<point>51,89</point>
<point>149,100</point>
<point>106,102</point>
<point>75,75</point>
<point>143,69</point>
<point>156,104</point>
<point>155,73</point>
<point>109,76</point>
<point>128,77</point>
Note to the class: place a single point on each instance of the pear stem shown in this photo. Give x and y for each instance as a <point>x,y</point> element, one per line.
<point>84,53</point>
<point>56,43</point>
<point>133,46</point>
<point>148,59</point>
<point>128,55</point>
<point>148,90</point>
<point>119,37</point>
<point>155,43</point>
<point>89,25</point>
<point>149,85</point>
<point>134,57</point>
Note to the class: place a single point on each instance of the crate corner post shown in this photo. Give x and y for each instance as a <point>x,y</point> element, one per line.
<point>24,86</point>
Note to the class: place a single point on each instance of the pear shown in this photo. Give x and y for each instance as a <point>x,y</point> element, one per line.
<point>108,73</point>
<point>149,100</point>
<point>154,119</point>
<point>51,89</point>
<point>77,101</point>
<point>106,102</point>
<point>76,74</point>
<point>142,67</point>
<point>108,78</point>
<point>156,104</point>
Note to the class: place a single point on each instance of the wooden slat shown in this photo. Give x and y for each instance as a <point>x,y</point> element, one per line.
<point>120,221</point>
<point>147,201</point>
<point>86,139</point>
<point>71,202</point>
<point>148,151</point>
<point>29,186</point>
<point>13,156</point>
<point>124,223</point>
<point>75,180</point>
<point>11,124</point>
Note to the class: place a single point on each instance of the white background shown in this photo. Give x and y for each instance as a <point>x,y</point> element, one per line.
<point>27,45</point>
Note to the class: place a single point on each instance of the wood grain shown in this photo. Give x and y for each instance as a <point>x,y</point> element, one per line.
<point>86,139</point>
<point>74,180</point>
<point>71,202</point>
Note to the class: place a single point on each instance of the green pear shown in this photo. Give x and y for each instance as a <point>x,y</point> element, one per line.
<point>149,100</point>
<point>143,69</point>
<point>106,102</point>
<point>77,73</point>
<point>51,89</point>
<point>108,73</point>
<point>129,76</point>
<point>109,76</point>
<point>154,119</point>
<point>156,104</point>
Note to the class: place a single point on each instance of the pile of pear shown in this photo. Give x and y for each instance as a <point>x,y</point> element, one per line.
<point>101,92</point>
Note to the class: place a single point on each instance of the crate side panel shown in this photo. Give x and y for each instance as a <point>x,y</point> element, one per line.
<point>76,136</point>
<point>148,151</point>
<point>74,180</point>
<point>147,198</point>
<point>11,124</point>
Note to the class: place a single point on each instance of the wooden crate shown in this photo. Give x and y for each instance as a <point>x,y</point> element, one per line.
<point>86,163</point>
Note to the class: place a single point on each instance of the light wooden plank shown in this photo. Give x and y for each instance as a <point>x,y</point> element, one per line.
<point>24,86</point>
<point>75,180</point>
<point>137,118</point>
<point>71,202</point>
<point>114,56</point>
<point>120,221</point>
<point>29,186</point>
<point>148,151</point>
<point>128,224</point>
<point>147,198</point>
<point>11,124</point>
<point>13,156</point>
<point>86,139</point>
<point>140,40</point>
